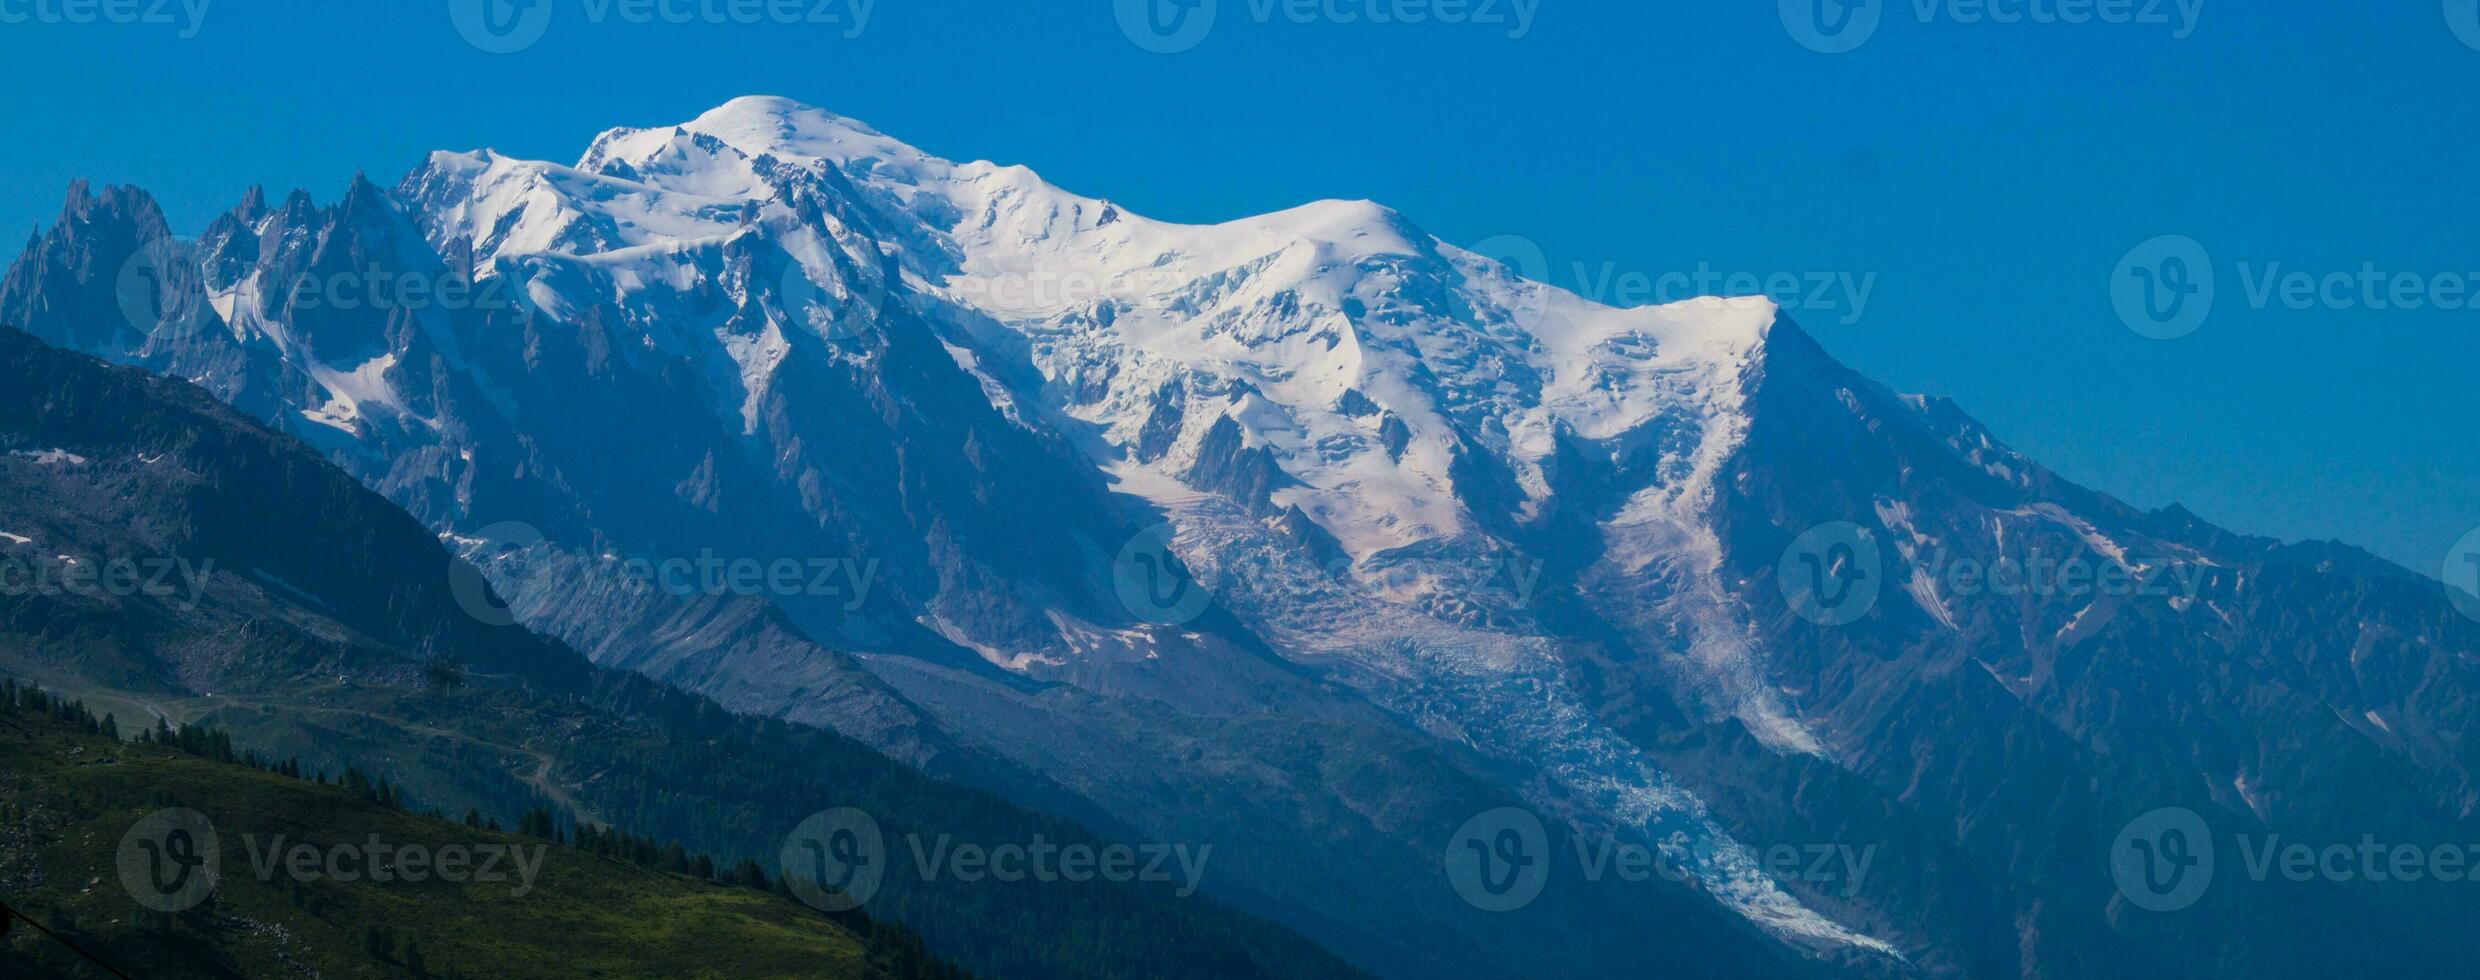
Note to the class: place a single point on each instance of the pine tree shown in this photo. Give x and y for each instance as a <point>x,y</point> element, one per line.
<point>380,941</point>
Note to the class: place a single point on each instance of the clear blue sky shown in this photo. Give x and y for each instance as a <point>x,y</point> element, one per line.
<point>1989,176</point>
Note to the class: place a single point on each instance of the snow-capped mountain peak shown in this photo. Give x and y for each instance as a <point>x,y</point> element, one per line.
<point>1367,440</point>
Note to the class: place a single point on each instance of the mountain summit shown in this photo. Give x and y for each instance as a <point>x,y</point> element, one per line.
<point>1321,538</point>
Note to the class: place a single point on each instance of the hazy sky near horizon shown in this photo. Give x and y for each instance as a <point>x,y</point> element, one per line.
<point>1950,205</point>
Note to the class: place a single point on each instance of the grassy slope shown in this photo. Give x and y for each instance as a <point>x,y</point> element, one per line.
<point>67,798</point>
